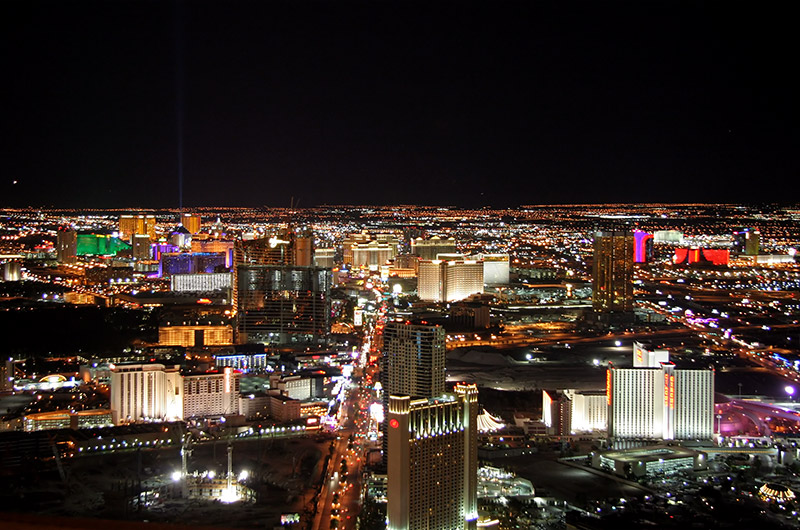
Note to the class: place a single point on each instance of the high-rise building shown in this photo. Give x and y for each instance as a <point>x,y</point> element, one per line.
<point>642,246</point>
<point>496,268</point>
<point>646,357</point>
<point>146,392</point>
<point>192,222</point>
<point>433,465</point>
<point>195,335</point>
<point>747,241</point>
<point>142,249</point>
<point>12,271</point>
<point>612,273</point>
<point>414,359</point>
<point>373,254</point>
<point>323,257</point>
<point>7,375</point>
<point>130,225</point>
<point>273,250</point>
<point>181,237</point>
<point>215,245</point>
<point>385,241</point>
<point>283,304</point>
<point>190,263</point>
<point>66,245</point>
<point>449,280</point>
<point>557,412</point>
<point>211,393</point>
<point>413,364</point>
<point>657,401</point>
<point>431,248</point>
<point>673,237</point>
<point>100,245</point>
<point>589,411</point>
<point>303,251</point>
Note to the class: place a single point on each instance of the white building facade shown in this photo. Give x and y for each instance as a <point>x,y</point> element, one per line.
<point>211,394</point>
<point>212,281</point>
<point>660,402</point>
<point>146,392</point>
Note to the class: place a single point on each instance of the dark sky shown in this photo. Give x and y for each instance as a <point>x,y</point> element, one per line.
<point>469,104</point>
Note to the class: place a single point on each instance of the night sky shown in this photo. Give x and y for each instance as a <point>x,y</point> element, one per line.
<point>497,104</point>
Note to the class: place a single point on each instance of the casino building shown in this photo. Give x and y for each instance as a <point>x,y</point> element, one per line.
<point>433,461</point>
<point>654,400</point>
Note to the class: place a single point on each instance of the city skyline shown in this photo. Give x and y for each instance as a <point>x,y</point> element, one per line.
<point>655,343</point>
<point>116,104</point>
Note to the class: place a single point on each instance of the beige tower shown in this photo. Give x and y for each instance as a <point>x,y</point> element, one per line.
<point>432,468</point>
<point>191,222</point>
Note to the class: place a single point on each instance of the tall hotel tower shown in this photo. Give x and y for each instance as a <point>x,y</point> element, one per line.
<point>612,272</point>
<point>654,400</point>
<point>145,392</point>
<point>413,364</point>
<point>276,300</point>
<point>414,357</point>
<point>433,461</point>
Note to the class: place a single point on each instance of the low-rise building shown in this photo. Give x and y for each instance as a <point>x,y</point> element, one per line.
<point>644,461</point>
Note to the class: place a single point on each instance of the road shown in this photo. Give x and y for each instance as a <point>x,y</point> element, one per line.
<point>339,499</point>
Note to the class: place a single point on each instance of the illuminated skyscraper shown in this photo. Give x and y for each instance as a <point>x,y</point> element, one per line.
<point>283,304</point>
<point>496,268</point>
<point>557,412</point>
<point>66,245</point>
<point>431,248</point>
<point>142,249</point>
<point>386,242</point>
<point>144,392</point>
<point>642,246</point>
<point>130,225</point>
<point>215,245</point>
<point>263,251</point>
<point>192,222</point>
<point>747,241</point>
<point>181,237</point>
<point>211,393</point>
<point>657,401</point>
<point>373,254</point>
<point>324,257</point>
<point>612,278</point>
<point>433,461</point>
<point>12,271</point>
<point>449,280</point>
<point>414,359</point>
<point>413,364</point>
<point>303,251</point>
